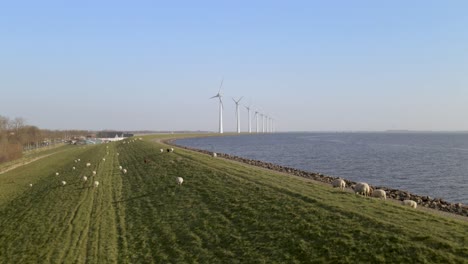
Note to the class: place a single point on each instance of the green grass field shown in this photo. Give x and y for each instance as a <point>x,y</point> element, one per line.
<point>224,212</point>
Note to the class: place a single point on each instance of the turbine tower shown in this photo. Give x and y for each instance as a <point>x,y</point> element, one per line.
<point>263,123</point>
<point>267,124</point>
<point>256,120</point>
<point>218,95</point>
<point>272,125</point>
<point>237,113</point>
<point>248,114</point>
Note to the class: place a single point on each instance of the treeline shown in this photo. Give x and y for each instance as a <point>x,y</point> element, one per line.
<point>16,136</point>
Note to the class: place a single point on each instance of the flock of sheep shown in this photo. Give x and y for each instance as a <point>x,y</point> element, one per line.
<point>364,189</point>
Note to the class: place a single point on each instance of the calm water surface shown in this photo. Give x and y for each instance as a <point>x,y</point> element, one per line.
<point>434,164</point>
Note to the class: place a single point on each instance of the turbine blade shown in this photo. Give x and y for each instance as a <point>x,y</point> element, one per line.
<point>221,85</point>
<point>214,96</point>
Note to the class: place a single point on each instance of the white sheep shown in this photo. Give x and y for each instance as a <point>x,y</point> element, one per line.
<point>76,161</point>
<point>94,173</point>
<point>30,185</point>
<point>57,174</point>
<point>73,168</point>
<point>118,154</point>
<point>172,149</point>
<point>85,178</point>
<point>162,150</point>
<point>88,164</point>
<point>409,203</point>
<point>379,193</point>
<point>103,159</point>
<point>215,155</point>
<point>120,167</point>
<point>96,184</point>
<point>339,183</point>
<point>79,160</point>
<point>180,180</point>
<point>124,171</point>
<point>362,188</point>
<point>64,182</point>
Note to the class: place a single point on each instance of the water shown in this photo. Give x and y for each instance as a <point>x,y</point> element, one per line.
<point>434,164</point>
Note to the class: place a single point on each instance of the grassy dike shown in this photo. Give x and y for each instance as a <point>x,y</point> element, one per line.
<point>225,212</point>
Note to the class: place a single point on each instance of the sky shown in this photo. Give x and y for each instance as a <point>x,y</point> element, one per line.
<point>311,65</point>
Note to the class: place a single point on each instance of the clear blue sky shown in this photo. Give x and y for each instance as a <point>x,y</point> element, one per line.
<point>313,65</point>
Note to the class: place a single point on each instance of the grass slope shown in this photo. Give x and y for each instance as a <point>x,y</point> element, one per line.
<point>223,213</point>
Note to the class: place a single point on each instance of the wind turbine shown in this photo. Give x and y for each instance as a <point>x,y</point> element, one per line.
<point>263,122</point>
<point>267,129</point>
<point>237,113</point>
<point>248,114</point>
<point>256,120</point>
<point>218,95</point>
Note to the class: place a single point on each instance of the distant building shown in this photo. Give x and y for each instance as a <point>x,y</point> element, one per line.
<point>113,134</point>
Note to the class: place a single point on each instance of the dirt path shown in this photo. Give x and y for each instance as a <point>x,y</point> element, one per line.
<point>25,162</point>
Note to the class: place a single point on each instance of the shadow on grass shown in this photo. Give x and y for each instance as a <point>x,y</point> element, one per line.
<point>170,189</point>
<point>134,198</point>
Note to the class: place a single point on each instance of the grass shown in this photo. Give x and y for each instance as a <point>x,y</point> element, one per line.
<point>225,212</point>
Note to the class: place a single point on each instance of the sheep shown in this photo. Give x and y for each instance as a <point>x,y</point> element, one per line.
<point>30,185</point>
<point>94,173</point>
<point>73,168</point>
<point>124,171</point>
<point>180,180</point>
<point>172,149</point>
<point>88,164</point>
<point>215,155</point>
<point>96,184</point>
<point>76,161</point>
<point>79,160</point>
<point>162,150</point>
<point>118,154</point>
<point>379,193</point>
<point>57,174</point>
<point>409,203</point>
<point>85,178</point>
<point>339,183</point>
<point>362,188</point>
<point>64,183</point>
<point>120,167</point>
<point>103,159</point>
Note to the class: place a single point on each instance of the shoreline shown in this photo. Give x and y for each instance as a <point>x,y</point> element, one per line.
<point>394,194</point>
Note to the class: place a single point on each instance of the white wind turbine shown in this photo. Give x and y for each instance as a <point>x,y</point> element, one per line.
<point>263,122</point>
<point>218,95</point>
<point>256,120</point>
<point>267,126</point>
<point>248,114</point>
<point>237,113</point>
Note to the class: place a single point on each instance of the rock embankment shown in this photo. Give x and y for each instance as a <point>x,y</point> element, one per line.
<point>425,201</point>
